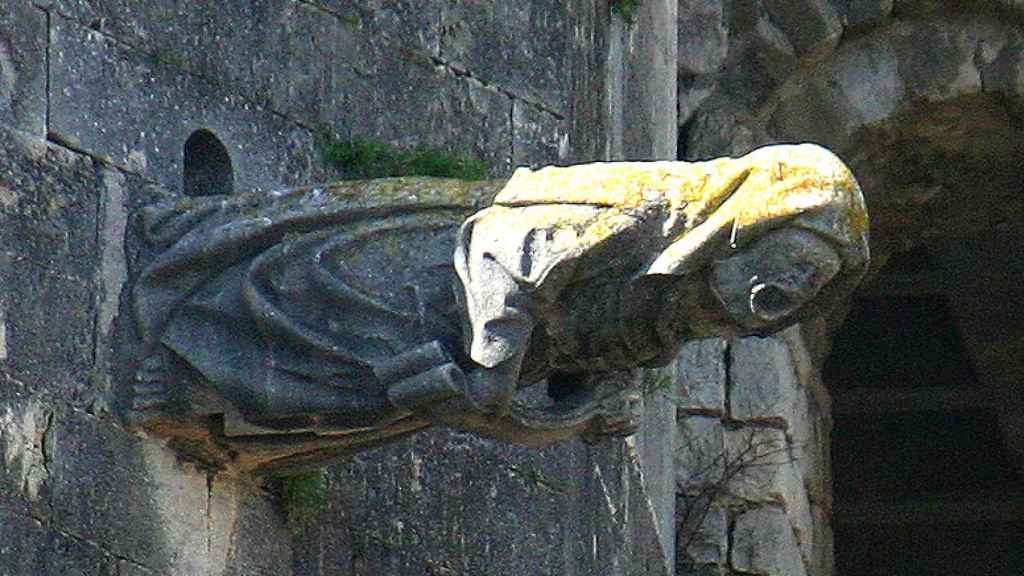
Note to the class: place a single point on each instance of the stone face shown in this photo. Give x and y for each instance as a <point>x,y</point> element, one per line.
<point>537,136</point>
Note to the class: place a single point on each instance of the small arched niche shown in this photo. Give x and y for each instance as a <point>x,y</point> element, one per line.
<point>207,166</point>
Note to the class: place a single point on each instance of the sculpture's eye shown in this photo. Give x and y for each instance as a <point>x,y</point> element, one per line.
<point>769,280</point>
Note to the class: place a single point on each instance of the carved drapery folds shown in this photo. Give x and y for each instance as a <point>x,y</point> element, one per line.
<point>328,319</point>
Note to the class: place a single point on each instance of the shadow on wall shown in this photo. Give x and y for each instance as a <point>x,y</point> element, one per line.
<point>207,166</point>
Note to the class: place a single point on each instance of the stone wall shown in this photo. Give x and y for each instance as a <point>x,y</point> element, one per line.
<point>752,458</point>
<point>97,100</point>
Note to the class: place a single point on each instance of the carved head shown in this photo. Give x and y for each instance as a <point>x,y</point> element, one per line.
<point>757,242</point>
<point>785,237</point>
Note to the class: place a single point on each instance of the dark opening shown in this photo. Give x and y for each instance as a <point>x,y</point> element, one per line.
<point>899,342</point>
<point>207,170</point>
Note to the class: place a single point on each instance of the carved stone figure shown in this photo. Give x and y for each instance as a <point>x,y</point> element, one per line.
<point>344,315</point>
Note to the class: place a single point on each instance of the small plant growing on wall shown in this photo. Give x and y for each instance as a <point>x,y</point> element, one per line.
<point>626,9</point>
<point>365,158</point>
<point>303,496</point>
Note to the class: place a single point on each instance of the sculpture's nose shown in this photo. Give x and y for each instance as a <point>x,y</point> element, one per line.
<point>773,278</point>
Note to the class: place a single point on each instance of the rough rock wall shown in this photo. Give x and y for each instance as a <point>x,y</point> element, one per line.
<point>96,102</point>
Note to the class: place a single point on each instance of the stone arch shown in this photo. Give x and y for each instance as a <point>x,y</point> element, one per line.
<point>207,167</point>
<point>929,114</point>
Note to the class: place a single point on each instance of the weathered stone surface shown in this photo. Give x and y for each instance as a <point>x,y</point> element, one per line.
<point>47,250</point>
<point>703,36</point>
<point>30,547</point>
<point>125,105</point>
<point>812,26</point>
<point>703,534</point>
<point>128,494</point>
<point>763,384</point>
<point>485,40</point>
<point>700,455</point>
<point>254,537</point>
<point>23,98</point>
<point>537,136</point>
<point>863,13</point>
<point>701,374</point>
<point>763,543</point>
<point>452,502</point>
<point>936,60</point>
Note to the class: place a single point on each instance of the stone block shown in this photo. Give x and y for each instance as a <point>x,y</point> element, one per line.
<point>47,258</point>
<point>763,543</point>
<point>538,137</point>
<point>404,24</point>
<point>449,501</point>
<point>763,384</point>
<point>812,26</point>
<point>700,455</point>
<point>762,467</point>
<point>486,41</point>
<point>936,60</point>
<point>256,536</point>
<point>128,495</point>
<point>703,36</point>
<point>864,13</point>
<point>28,546</point>
<point>138,110</point>
<point>23,98</point>
<point>700,377</point>
<point>703,533</point>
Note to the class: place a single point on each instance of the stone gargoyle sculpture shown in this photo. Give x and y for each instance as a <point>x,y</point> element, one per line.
<point>324,320</point>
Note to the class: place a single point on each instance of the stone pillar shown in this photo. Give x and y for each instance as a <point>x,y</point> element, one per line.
<point>752,459</point>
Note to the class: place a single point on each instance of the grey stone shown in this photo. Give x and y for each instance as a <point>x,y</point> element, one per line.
<point>703,536</point>
<point>256,539</point>
<point>757,465</point>
<point>700,455</point>
<point>703,36</point>
<point>763,384</point>
<point>125,105</point>
<point>127,494</point>
<point>23,98</point>
<point>47,254</point>
<point>242,321</point>
<point>649,78</point>
<point>864,13</point>
<point>31,547</point>
<point>763,543</point>
<point>485,41</point>
<point>701,377</point>
<point>812,26</point>
<point>936,60</point>
<point>538,137</point>
<point>447,501</point>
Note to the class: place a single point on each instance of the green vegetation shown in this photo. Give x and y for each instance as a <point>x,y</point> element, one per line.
<point>626,9</point>
<point>303,496</point>
<point>364,158</point>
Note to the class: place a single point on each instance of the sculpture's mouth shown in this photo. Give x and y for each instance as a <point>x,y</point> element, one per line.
<point>770,281</point>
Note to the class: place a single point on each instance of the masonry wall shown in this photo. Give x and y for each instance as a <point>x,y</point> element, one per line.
<point>728,474</point>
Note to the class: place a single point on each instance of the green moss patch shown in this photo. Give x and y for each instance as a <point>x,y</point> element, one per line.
<point>365,158</point>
